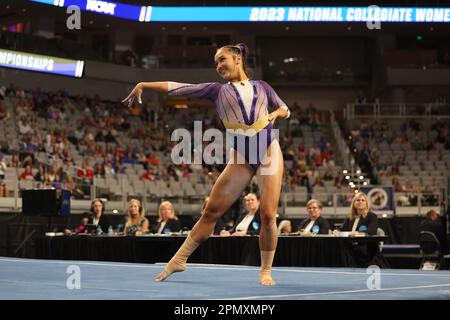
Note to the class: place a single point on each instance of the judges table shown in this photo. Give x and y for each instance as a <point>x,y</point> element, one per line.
<point>317,251</point>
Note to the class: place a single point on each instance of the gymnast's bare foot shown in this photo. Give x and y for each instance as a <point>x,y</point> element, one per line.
<point>266,280</point>
<point>170,268</point>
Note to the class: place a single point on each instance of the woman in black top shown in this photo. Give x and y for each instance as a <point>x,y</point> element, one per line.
<point>315,224</point>
<point>167,221</point>
<point>360,219</point>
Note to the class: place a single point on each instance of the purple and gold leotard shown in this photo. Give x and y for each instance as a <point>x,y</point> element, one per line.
<point>231,110</point>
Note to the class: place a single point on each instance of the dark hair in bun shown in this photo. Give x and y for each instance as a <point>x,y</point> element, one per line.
<point>243,48</point>
<point>240,49</point>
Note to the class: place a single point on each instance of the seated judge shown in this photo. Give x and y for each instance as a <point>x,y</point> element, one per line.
<point>360,220</point>
<point>97,217</point>
<point>249,222</point>
<point>315,224</point>
<point>284,227</point>
<point>136,222</point>
<point>167,221</point>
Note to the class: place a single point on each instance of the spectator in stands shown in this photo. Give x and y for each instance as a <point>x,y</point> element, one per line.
<point>249,222</point>
<point>57,183</point>
<point>136,223</point>
<point>167,221</point>
<point>411,191</point>
<point>109,169</point>
<point>27,174</point>
<point>149,175</point>
<point>71,186</point>
<point>318,182</point>
<point>3,111</point>
<point>396,184</point>
<point>3,167</point>
<point>314,151</point>
<point>3,190</point>
<point>284,227</point>
<point>360,220</point>
<point>99,170</point>
<point>315,224</point>
<point>45,183</point>
<point>24,126</point>
<point>52,175</point>
<point>302,177</point>
<point>27,161</point>
<point>429,196</point>
<point>85,172</point>
<point>79,133</point>
<point>432,223</point>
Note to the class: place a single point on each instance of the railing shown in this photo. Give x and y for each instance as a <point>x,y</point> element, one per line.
<point>336,205</point>
<point>292,204</point>
<point>396,110</point>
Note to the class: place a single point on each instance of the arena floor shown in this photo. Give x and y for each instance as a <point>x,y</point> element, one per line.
<point>55,279</point>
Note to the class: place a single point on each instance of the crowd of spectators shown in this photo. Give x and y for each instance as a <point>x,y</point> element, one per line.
<point>84,138</point>
<point>403,153</point>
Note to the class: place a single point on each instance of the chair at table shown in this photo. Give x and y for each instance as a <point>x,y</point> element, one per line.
<point>431,251</point>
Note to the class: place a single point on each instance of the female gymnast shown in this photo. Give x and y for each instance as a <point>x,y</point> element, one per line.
<point>248,108</point>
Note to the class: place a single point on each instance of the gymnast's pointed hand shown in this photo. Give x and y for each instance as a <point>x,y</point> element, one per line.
<point>135,93</point>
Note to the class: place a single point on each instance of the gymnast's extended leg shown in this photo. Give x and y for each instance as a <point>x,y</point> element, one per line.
<point>227,189</point>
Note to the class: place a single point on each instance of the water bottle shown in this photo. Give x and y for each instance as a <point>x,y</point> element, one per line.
<point>99,231</point>
<point>110,231</point>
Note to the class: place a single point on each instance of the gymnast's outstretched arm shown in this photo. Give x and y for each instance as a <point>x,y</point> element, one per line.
<point>137,91</point>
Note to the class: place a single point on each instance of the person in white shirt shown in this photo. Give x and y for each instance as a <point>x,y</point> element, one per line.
<point>249,222</point>
<point>315,224</point>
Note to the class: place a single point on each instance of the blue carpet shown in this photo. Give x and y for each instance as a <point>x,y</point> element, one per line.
<point>52,279</point>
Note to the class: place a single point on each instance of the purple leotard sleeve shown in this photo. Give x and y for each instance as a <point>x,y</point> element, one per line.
<point>208,90</point>
<point>275,101</point>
